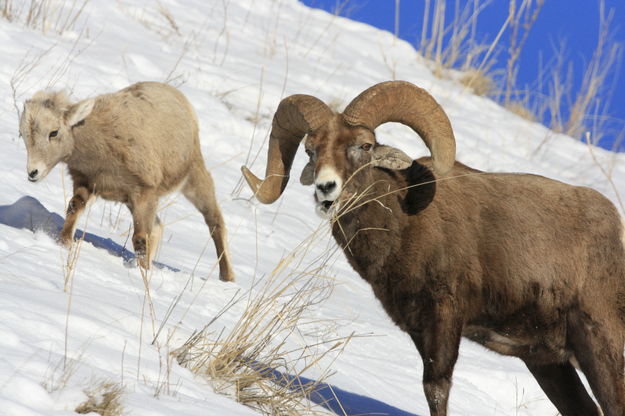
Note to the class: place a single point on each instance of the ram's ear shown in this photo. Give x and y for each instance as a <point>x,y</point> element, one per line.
<point>79,111</point>
<point>390,158</point>
<point>308,174</point>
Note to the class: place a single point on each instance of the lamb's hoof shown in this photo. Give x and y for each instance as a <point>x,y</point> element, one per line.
<point>142,259</point>
<point>144,262</point>
<point>228,277</point>
<point>65,241</point>
<point>130,263</point>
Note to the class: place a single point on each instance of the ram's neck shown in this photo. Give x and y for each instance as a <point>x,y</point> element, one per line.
<point>370,226</point>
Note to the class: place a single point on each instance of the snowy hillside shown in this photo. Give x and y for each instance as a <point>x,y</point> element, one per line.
<point>234,60</point>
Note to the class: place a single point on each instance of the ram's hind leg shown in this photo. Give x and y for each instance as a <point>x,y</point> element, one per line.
<point>562,385</point>
<point>200,190</point>
<point>598,347</point>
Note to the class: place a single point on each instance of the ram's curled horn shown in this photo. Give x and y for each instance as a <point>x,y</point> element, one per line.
<point>296,116</point>
<point>405,103</point>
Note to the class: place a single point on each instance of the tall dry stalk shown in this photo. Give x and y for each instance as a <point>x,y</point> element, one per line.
<point>521,20</point>
<point>576,109</point>
<point>606,56</point>
<point>455,44</point>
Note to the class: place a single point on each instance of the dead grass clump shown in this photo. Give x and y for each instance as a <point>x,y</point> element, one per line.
<point>103,399</point>
<point>479,82</point>
<point>261,360</point>
<point>521,109</point>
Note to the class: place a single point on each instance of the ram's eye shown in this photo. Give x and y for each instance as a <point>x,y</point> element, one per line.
<point>309,152</point>
<point>53,134</point>
<point>366,146</point>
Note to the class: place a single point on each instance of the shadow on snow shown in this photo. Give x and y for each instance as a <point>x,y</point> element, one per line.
<point>28,213</point>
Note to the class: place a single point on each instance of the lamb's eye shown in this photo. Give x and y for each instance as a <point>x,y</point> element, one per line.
<point>53,134</point>
<point>366,146</point>
<point>309,152</point>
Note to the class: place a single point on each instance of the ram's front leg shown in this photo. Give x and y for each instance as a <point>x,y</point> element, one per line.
<point>438,343</point>
<point>75,208</point>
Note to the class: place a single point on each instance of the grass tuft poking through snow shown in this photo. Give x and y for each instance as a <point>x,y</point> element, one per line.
<point>105,399</point>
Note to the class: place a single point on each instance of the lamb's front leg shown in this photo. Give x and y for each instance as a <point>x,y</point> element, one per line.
<point>438,343</point>
<point>75,208</point>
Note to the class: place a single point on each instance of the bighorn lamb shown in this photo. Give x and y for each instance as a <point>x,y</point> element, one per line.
<point>524,265</point>
<point>131,146</point>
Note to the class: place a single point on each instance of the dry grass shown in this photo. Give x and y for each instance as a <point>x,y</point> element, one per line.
<point>243,361</point>
<point>58,375</point>
<point>44,15</point>
<point>103,399</point>
<point>554,100</point>
<point>454,44</point>
<point>573,109</point>
<point>587,102</point>
<point>521,19</point>
<point>521,109</point>
<point>478,82</point>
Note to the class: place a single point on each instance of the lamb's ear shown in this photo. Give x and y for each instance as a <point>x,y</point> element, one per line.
<point>79,111</point>
<point>308,174</point>
<point>390,158</point>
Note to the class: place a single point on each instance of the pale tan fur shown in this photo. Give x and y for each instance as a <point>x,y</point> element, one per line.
<point>132,146</point>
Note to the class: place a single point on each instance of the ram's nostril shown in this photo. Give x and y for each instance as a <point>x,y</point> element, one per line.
<point>33,173</point>
<point>326,187</point>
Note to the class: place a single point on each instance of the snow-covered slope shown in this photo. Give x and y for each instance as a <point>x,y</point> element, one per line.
<point>234,60</point>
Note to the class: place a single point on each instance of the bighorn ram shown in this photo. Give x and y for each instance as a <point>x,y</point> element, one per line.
<point>524,265</point>
<point>131,146</point>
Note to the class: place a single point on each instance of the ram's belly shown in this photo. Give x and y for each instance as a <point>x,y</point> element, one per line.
<point>543,345</point>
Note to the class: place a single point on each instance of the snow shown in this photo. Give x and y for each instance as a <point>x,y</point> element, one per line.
<point>234,61</point>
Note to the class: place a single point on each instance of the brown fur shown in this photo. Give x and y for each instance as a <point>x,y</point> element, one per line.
<point>133,146</point>
<point>524,265</point>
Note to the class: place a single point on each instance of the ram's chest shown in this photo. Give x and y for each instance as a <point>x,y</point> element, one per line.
<point>369,242</point>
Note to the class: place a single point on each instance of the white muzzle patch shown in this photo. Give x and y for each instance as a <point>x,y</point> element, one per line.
<point>328,187</point>
<point>36,170</point>
<point>328,184</point>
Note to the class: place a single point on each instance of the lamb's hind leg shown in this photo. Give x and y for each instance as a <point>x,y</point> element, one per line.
<point>200,190</point>
<point>562,385</point>
<point>598,345</point>
<point>147,228</point>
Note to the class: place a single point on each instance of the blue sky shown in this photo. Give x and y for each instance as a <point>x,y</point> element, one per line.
<point>574,22</point>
